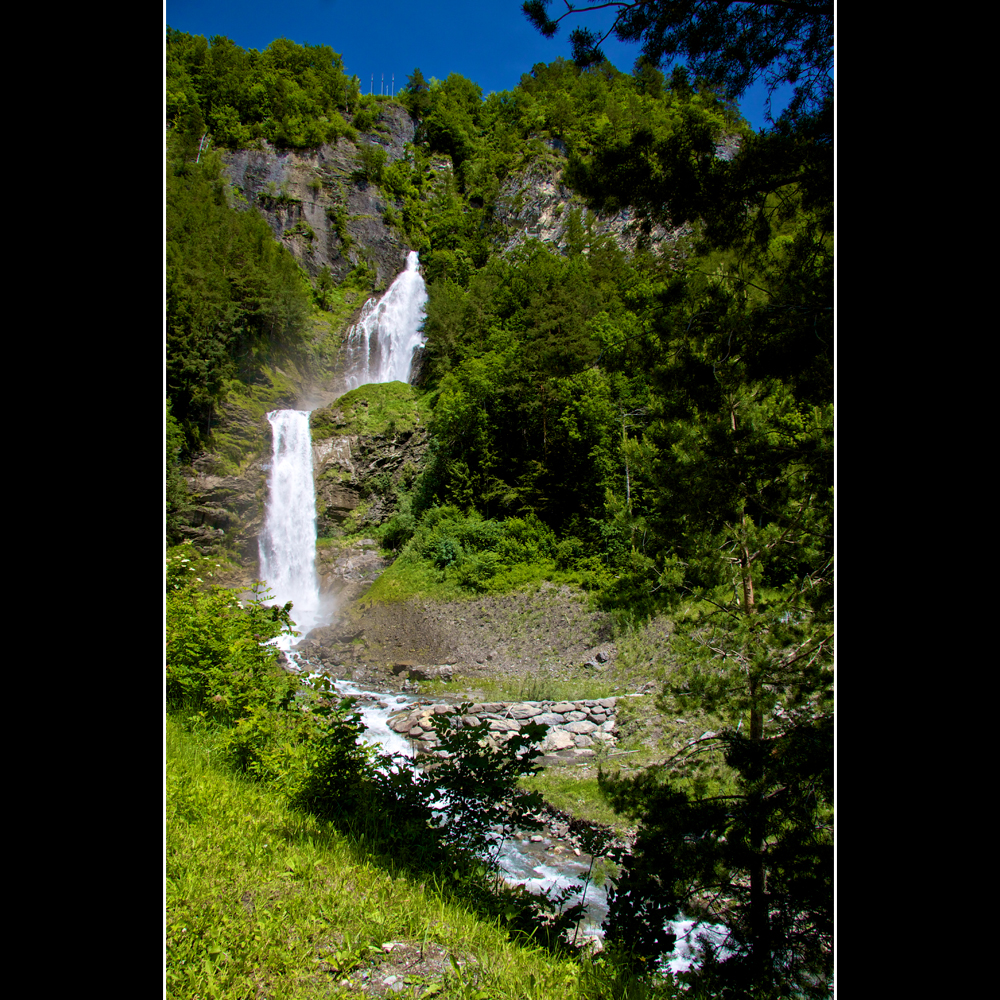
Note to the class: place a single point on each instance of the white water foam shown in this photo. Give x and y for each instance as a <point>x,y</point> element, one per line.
<point>380,345</point>
<point>287,545</point>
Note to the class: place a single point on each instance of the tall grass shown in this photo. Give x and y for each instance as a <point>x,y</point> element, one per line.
<point>266,901</point>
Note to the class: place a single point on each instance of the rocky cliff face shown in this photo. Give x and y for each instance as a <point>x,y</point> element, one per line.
<point>363,454</point>
<point>319,208</point>
<point>535,204</point>
<point>356,476</point>
<point>228,513</point>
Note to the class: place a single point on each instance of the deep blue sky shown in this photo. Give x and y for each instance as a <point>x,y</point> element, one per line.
<point>488,41</point>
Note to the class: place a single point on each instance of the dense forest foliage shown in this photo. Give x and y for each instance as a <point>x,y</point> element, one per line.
<point>291,95</point>
<point>234,296</point>
<point>657,427</point>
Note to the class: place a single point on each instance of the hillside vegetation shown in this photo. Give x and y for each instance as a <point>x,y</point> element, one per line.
<point>638,407</point>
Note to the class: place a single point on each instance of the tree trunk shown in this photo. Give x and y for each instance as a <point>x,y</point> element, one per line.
<point>760,931</point>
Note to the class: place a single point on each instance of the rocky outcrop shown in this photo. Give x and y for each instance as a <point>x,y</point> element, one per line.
<point>356,477</point>
<point>535,204</point>
<point>345,571</point>
<point>319,207</point>
<point>226,512</point>
<point>574,730</point>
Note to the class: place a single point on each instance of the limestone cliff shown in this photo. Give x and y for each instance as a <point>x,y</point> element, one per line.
<point>367,447</point>
<point>320,208</point>
<point>534,203</point>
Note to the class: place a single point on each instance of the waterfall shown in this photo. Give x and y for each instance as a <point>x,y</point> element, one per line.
<point>379,349</point>
<point>287,545</point>
<point>380,345</point>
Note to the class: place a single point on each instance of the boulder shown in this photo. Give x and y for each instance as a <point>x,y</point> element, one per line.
<point>557,740</point>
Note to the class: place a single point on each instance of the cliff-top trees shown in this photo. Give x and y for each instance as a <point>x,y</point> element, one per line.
<point>289,94</point>
<point>732,45</point>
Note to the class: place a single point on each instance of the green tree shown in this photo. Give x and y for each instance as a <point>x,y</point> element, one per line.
<point>682,175</point>
<point>731,45</point>
<point>416,95</point>
<point>760,848</point>
<point>648,79</point>
<point>288,94</point>
<point>371,161</point>
<point>739,453</point>
<point>451,123</point>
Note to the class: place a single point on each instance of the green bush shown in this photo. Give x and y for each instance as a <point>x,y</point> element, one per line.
<point>371,161</point>
<point>476,571</point>
<point>445,552</point>
<point>219,661</point>
<point>398,530</point>
<point>339,768</point>
<point>568,551</point>
<point>365,119</point>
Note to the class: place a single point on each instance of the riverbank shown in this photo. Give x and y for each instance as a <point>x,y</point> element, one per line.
<point>542,645</point>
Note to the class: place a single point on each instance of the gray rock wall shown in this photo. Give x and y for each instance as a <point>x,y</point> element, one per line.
<point>576,730</point>
<point>345,470</point>
<point>535,204</point>
<point>307,195</point>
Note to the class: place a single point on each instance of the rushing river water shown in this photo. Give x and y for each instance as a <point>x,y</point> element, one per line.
<point>533,864</point>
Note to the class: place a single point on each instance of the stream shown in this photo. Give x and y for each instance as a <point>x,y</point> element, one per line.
<point>522,861</point>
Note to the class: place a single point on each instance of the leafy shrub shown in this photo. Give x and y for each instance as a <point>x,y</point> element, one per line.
<point>364,120</point>
<point>568,551</point>
<point>476,571</point>
<point>527,540</point>
<point>380,484</point>
<point>445,551</point>
<point>269,746</point>
<point>408,474</point>
<point>398,530</point>
<point>219,663</point>
<point>479,778</point>
<point>371,161</point>
<point>339,767</point>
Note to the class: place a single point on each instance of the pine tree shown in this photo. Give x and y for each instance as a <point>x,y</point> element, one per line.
<point>740,452</point>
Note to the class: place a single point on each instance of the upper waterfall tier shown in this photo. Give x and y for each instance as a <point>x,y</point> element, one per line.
<point>380,346</point>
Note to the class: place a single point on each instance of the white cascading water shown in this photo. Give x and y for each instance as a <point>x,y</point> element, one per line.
<point>380,345</point>
<point>287,545</point>
<point>380,349</point>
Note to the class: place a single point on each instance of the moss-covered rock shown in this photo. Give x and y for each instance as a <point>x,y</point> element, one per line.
<point>367,447</point>
<point>380,409</point>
